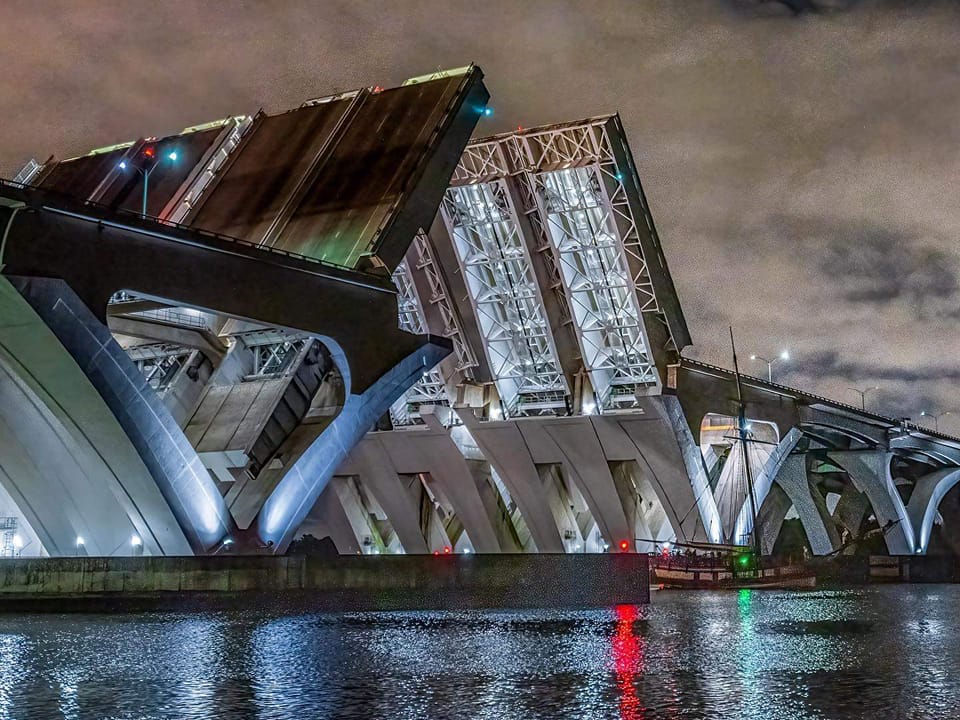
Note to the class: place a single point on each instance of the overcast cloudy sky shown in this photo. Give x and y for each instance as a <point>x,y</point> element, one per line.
<point>802,167</point>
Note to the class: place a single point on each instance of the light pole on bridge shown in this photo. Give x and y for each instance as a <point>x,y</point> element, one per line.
<point>862,392</point>
<point>783,356</point>
<point>150,163</point>
<point>936,418</point>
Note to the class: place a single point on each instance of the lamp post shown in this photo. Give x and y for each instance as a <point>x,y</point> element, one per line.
<point>936,418</point>
<point>149,164</point>
<point>862,392</point>
<point>783,356</point>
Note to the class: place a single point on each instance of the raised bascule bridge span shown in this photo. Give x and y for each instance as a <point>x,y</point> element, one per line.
<point>349,320</point>
<point>205,322</point>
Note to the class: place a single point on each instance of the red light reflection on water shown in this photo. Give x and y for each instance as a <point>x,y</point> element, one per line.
<point>628,662</point>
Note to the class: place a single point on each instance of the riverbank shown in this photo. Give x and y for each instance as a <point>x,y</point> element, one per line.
<point>380,582</point>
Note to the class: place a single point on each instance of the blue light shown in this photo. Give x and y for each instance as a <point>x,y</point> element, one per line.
<point>172,156</point>
<point>488,111</point>
<point>619,176</point>
<point>122,165</point>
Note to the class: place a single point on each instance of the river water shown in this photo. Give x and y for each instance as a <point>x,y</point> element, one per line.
<point>881,652</point>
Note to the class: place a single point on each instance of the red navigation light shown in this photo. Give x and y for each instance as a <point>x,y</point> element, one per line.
<point>436,552</point>
<point>446,550</point>
<point>377,89</point>
<point>149,152</point>
<point>624,545</point>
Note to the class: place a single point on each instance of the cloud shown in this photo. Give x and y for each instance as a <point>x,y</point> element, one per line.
<point>800,168</point>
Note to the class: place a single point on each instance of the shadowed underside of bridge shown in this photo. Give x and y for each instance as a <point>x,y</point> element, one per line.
<point>284,228</point>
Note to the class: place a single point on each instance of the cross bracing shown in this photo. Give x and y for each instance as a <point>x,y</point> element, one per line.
<point>426,263</point>
<point>598,284</point>
<point>581,210</point>
<point>581,145</point>
<point>273,352</point>
<point>503,290</point>
<point>431,388</point>
<point>159,363</point>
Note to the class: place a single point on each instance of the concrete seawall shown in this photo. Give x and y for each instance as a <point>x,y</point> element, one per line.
<point>339,583</point>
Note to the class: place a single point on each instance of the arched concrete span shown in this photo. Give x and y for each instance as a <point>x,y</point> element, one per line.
<point>810,505</point>
<point>381,458</point>
<point>66,461</point>
<point>781,483</point>
<point>177,472</point>
<point>924,501</point>
<point>762,484</point>
<point>298,491</point>
<point>870,473</point>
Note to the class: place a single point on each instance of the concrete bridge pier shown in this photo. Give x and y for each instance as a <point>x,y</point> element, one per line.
<point>922,508</point>
<point>869,471</point>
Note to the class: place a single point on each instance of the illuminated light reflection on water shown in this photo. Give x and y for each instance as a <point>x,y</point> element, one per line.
<point>877,652</point>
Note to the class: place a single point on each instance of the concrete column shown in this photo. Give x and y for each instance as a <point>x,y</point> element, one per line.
<point>186,487</point>
<point>924,501</point>
<point>585,462</point>
<point>291,500</point>
<point>433,451</point>
<point>372,464</point>
<point>810,505</point>
<point>328,518</point>
<point>852,509</point>
<point>86,477</point>
<point>763,481</point>
<point>870,473</point>
<point>772,513</point>
<point>505,448</point>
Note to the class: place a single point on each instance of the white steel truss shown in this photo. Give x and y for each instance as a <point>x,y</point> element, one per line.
<point>159,363</point>
<point>573,193</point>
<point>503,290</point>
<point>600,290</point>
<point>272,359</point>
<point>28,172</point>
<point>429,389</point>
<point>584,144</point>
<point>439,298</point>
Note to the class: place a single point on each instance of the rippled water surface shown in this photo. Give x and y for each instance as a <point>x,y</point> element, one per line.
<point>888,652</point>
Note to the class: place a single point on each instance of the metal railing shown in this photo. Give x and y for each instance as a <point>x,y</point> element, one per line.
<point>173,316</point>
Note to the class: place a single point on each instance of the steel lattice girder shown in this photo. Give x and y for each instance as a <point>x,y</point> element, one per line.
<point>574,196</point>
<point>431,388</point>
<point>482,223</point>
<point>600,291</point>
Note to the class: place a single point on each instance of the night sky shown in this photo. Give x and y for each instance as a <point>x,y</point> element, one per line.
<point>802,167</point>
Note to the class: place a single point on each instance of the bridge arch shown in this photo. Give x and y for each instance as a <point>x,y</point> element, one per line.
<point>924,502</point>
<point>65,460</point>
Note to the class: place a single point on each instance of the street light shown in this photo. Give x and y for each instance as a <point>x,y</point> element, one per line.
<point>783,356</point>
<point>862,392</point>
<point>936,418</point>
<point>149,164</point>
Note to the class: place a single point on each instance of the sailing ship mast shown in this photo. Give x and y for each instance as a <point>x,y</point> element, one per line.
<point>742,427</point>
